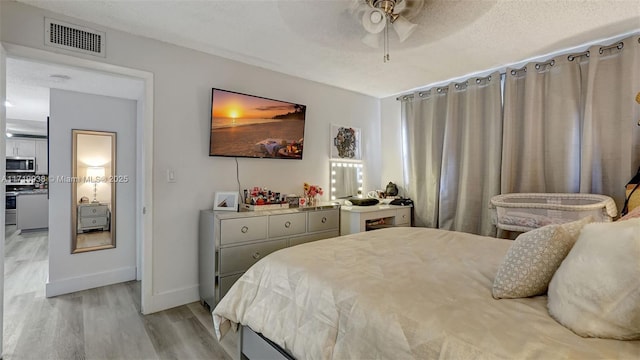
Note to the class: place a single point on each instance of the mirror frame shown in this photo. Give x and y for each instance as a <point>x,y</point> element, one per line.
<point>74,190</point>
<point>359,176</point>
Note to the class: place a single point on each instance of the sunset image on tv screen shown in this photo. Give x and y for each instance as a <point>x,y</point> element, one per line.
<point>250,126</point>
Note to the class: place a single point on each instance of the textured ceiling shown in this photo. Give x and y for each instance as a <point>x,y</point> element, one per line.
<point>320,41</point>
<point>29,82</point>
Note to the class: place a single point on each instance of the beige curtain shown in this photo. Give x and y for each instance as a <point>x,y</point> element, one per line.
<point>541,143</point>
<point>423,119</point>
<point>453,149</point>
<point>570,123</point>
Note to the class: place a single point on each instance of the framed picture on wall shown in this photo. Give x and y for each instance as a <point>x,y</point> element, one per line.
<point>226,201</point>
<point>345,142</point>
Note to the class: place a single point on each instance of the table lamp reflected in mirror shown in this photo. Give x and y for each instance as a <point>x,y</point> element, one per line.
<point>96,174</point>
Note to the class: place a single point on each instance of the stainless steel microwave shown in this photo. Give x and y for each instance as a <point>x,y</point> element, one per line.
<point>21,164</point>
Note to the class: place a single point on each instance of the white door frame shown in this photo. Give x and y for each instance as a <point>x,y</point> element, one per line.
<point>3,140</point>
<point>144,157</point>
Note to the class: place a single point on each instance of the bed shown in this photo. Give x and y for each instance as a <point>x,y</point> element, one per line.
<point>399,293</point>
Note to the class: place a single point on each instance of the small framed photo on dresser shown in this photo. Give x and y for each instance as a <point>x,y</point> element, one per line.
<point>225,201</point>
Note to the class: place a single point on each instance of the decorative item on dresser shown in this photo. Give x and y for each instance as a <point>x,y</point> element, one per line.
<point>229,243</point>
<point>226,201</point>
<point>311,192</point>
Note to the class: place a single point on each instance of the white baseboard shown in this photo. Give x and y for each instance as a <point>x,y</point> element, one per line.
<point>89,281</point>
<point>170,299</point>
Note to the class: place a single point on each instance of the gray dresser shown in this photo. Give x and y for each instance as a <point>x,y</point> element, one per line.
<point>230,242</point>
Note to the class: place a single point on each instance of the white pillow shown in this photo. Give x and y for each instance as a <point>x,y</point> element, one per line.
<point>596,290</point>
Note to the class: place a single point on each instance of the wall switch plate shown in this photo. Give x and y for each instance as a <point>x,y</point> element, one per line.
<point>171,176</point>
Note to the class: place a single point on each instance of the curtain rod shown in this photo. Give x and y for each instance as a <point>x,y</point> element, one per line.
<point>541,59</point>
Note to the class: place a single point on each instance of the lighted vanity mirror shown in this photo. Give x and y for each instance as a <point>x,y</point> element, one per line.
<point>346,180</point>
<point>93,191</point>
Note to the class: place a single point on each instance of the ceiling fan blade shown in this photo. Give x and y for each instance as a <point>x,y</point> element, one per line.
<point>400,5</point>
<point>404,28</point>
<point>408,8</point>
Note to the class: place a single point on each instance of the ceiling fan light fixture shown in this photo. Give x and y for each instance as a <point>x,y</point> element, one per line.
<point>382,14</point>
<point>372,40</point>
<point>376,17</point>
<point>368,20</point>
<point>404,28</point>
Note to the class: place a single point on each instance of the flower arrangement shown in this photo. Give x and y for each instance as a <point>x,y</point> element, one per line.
<point>311,192</point>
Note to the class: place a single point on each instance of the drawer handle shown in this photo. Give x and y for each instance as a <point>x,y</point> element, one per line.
<point>324,219</point>
<point>94,221</point>
<point>256,255</point>
<point>94,210</point>
<point>244,229</point>
<point>287,224</point>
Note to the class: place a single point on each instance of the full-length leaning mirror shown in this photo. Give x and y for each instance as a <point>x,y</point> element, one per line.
<point>346,180</point>
<point>93,193</point>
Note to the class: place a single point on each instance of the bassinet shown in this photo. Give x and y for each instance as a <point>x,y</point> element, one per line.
<point>527,211</point>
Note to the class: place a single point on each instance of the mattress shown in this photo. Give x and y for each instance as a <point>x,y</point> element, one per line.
<point>399,293</point>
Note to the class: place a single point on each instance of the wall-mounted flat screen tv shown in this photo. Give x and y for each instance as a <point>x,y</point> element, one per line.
<point>255,127</point>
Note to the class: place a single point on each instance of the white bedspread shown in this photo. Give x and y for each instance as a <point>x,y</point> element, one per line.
<point>399,293</point>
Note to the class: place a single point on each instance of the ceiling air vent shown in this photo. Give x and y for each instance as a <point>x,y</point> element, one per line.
<point>73,37</point>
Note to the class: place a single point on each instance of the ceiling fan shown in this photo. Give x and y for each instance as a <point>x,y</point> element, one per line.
<point>377,16</point>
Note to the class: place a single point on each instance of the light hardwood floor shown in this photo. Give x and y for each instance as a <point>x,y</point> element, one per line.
<point>102,323</point>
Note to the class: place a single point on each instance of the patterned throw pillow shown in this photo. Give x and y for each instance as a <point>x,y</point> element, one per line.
<point>533,258</point>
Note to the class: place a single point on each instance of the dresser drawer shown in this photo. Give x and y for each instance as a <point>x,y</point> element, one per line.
<point>403,216</point>
<point>240,230</point>
<point>323,220</point>
<point>93,210</point>
<point>88,222</point>
<point>317,236</point>
<point>240,258</point>
<point>287,224</point>
<point>226,282</point>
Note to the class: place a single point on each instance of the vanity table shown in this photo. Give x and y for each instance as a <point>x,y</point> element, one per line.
<point>355,219</point>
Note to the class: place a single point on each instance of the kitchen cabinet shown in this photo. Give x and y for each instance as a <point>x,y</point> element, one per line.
<point>42,157</point>
<point>21,147</point>
<point>32,211</point>
<point>230,242</point>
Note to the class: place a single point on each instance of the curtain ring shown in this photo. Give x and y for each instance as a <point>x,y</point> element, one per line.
<point>439,90</point>
<point>537,66</point>
<point>571,57</point>
<point>553,62</point>
<point>421,94</point>
<point>477,81</point>
<point>489,78</point>
<point>457,86</point>
<point>513,72</point>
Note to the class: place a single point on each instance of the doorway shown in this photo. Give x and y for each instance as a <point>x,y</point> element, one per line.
<point>143,124</point>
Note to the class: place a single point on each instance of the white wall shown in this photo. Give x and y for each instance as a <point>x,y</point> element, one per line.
<point>391,130</point>
<point>183,80</point>
<point>73,272</point>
